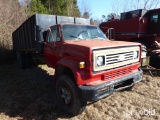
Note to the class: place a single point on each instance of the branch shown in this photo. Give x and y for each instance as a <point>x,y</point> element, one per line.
<point>145,4</point>
<point>158,2</point>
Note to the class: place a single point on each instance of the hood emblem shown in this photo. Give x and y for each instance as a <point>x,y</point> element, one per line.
<point>121,57</point>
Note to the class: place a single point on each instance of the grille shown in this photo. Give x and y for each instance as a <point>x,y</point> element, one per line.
<point>118,73</point>
<point>115,57</point>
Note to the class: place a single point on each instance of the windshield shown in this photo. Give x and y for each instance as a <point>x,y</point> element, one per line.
<point>78,32</point>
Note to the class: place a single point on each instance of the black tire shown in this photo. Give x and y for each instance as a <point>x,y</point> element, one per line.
<point>24,60</point>
<point>21,61</point>
<point>29,61</point>
<point>65,87</point>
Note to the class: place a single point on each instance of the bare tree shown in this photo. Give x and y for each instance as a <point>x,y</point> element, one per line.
<point>151,4</point>
<point>126,5</point>
<point>12,15</point>
<point>85,9</point>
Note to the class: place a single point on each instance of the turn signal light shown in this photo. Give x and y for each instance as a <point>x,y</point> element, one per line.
<point>81,65</point>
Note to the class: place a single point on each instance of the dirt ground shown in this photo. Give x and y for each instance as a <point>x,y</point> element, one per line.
<point>28,95</point>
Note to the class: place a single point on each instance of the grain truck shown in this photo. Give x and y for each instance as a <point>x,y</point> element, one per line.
<point>88,66</point>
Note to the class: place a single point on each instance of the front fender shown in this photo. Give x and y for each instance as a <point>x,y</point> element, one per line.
<point>73,65</point>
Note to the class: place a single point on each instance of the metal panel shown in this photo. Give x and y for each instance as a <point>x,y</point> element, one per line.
<point>82,21</point>
<point>24,36</point>
<point>64,19</point>
<point>45,20</point>
<point>123,16</point>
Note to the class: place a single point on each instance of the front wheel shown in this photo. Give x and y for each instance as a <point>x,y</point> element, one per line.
<point>67,96</point>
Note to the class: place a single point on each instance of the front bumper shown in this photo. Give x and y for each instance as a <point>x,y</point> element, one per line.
<point>94,93</point>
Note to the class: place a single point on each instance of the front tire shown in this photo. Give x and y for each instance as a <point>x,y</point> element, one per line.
<point>67,96</point>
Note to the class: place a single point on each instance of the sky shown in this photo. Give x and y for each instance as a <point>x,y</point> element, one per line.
<point>97,7</point>
<point>105,7</point>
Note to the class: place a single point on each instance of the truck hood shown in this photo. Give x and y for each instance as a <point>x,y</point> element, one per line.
<point>97,44</point>
<point>82,48</point>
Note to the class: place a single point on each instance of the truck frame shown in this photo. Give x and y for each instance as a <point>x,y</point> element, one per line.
<point>88,66</point>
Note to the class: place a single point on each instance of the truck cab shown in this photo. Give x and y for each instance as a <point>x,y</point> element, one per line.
<point>87,58</point>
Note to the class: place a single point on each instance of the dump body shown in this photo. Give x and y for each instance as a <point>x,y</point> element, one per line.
<point>25,38</point>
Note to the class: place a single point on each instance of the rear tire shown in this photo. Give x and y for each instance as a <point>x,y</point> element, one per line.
<point>21,60</point>
<point>29,61</point>
<point>24,60</point>
<point>67,96</point>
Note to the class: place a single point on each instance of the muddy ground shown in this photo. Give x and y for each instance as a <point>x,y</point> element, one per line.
<point>28,95</point>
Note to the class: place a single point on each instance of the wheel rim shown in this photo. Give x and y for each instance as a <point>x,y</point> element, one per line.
<point>66,95</point>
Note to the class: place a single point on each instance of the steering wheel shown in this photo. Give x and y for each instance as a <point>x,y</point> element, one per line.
<point>83,32</point>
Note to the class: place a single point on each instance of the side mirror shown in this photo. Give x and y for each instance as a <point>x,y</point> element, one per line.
<point>110,33</point>
<point>52,37</point>
<point>39,39</point>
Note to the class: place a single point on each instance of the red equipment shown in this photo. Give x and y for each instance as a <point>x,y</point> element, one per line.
<point>136,26</point>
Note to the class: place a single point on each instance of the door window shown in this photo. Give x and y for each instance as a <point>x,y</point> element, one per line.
<point>53,35</point>
<point>154,18</point>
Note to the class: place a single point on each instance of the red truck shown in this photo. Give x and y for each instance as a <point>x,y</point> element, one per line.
<point>137,26</point>
<point>88,66</point>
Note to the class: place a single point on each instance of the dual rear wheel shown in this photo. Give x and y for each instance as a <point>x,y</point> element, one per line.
<point>24,60</point>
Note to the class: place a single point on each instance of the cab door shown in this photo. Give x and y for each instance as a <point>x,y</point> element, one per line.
<point>52,46</point>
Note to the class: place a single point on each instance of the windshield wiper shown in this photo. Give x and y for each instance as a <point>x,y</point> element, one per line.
<point>75,37</point>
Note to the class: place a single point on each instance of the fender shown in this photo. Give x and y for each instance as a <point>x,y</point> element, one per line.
<point>73,65</point>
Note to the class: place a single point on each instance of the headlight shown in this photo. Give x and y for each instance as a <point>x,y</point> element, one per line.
<point>144,54</point>
<point>100,60</point>
<point>144,51</point>
<point>135,54</point>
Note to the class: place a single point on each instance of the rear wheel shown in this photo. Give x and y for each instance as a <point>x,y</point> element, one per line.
<point>29,61</point>
<point>21,60</point>
<point>24,60</point>
<point>67,96</point>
